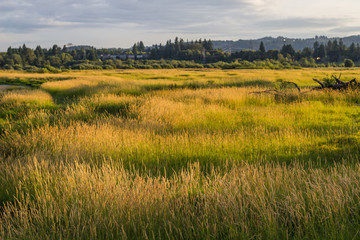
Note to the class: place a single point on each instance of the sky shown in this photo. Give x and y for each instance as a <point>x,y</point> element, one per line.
<point>121,23</point>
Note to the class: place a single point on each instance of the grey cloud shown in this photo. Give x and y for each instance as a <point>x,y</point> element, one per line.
<point>346,29</point>
<point>20,26</point>
<point>299,23</point>
<point>84,20</point>
<point>151,13</point>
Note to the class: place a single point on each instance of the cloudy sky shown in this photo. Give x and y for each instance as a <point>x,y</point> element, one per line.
<point>120,23</point>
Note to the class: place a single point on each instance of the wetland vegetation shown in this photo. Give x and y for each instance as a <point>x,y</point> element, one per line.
<point>178,154</point>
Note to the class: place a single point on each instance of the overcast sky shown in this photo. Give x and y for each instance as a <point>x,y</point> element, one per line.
<point>120,23</point>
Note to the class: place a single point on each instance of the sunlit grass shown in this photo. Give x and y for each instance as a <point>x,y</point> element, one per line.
<point>179,154</point>
<point>57,201</point>
<point>173,128</point>
<point>27,97</point>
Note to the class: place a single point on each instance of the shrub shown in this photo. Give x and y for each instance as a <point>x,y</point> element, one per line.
<point>348,63</point>
<point>31,69</point>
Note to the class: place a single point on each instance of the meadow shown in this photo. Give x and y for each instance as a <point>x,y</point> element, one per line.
<point>178,154</point>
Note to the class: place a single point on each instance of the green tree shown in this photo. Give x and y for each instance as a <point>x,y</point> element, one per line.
<point>2,61</point>
<point>333,51</point>
<point>66,58</point>
<point>262,47</point>
<point>182,44</point>
<point>322,52</point>
<point>82,54</point>
<point>141,47</point>
<point>9,52</point>
<point>287,49</point>
<point>351,53</point>
<point>74,54</point>
<point>177,46</point>
<point>208,45</point>
<point>39,52</point>
<point>55,51</point>
<point>28,56</point>
<point>135,49</point>
<point>17,59</point>
<point>39,62</point>
<point>91,55</point>
<point>306,52</point>
<point>55,61</point>
<point>9,61</point>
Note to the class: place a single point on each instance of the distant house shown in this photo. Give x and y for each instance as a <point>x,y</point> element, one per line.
<point>142,56</point>
<point>107,56</point>
<point>122,56</point>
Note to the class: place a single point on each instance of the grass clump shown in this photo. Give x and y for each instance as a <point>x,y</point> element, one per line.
<point>179,154</point>
<point>122,105</point>
<point>30,82</point>
<point>267,201</point>
<point>26,97</point>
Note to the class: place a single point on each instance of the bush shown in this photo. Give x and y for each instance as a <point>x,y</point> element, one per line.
<point>31,69</point>
<point>8,67</point>
<point>85,66</point>
<point>348,63</point>
<point>52,69</point>
<point>42,70</point>
<point>17,67</point>
<point>108,67</point>
<point>156,66</point>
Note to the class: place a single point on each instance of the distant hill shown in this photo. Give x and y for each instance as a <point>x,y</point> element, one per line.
<point>277,43</point>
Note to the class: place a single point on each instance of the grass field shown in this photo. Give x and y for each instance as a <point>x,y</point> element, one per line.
<point>178,154</point>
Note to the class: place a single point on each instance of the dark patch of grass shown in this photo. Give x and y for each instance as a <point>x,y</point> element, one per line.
<point>118,109</point>
<point>209,84</point>
<point>30,82</point>
<point>131,92</point>
<point>160,78</point>
<point>253,83</point>
<point>288,98</point>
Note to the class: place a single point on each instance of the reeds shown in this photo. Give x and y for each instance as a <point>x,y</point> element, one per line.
<point>27,97</point>
<point>261,201</point>
<point>178,154</point>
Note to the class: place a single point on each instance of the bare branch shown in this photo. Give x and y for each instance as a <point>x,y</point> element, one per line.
<point>340,85</point>
<point>353,81</point>
<point>295,86</point>
<point>338,79</point>
<point>321,84</point>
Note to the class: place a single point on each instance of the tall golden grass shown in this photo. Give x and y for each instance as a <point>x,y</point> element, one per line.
<point>270,201</point>
<point>27,97</point>
<point>179,154</point>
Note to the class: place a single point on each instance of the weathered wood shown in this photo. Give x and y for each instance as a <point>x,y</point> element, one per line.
<point>338,81</point>
<point>339,85</point>
<point>321,84</point>
<point>295,86</point>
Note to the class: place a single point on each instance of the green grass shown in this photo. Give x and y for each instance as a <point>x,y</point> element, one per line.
<point>179,154</point>
<point>30,82</point>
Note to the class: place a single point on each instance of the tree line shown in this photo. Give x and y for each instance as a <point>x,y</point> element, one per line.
<point>178,53</point>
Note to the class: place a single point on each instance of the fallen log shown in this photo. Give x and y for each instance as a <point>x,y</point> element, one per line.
<point>321,84</point>
<point>338,85</point>
<point>338,81</point>
<point>295,86</point>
